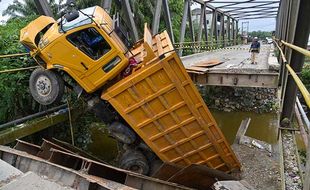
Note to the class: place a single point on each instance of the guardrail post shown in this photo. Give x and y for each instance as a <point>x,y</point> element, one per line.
<point>296,60</point>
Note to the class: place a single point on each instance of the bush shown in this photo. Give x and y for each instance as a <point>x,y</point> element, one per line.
<point>14,94</point>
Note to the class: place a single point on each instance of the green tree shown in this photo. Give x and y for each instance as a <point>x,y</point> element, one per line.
<point>16,100</point>
<point>260,34</point>
<point>21,9</point>
<point>28,7</point>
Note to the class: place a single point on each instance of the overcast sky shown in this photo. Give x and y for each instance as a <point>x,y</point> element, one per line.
<point>3,5</point>
<point>254,25</point>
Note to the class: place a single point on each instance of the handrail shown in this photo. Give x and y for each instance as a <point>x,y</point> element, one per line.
<point>203,42</point>
<point>297,80</point>
<point>296,48</point>
<point>300,85</point>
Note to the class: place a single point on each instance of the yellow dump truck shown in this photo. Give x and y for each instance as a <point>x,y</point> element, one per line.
<point>146,98</point>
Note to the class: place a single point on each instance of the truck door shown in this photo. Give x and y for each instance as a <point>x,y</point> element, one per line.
<point>94,52</point>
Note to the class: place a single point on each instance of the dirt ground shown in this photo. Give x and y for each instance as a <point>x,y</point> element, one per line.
<point>259,169</point>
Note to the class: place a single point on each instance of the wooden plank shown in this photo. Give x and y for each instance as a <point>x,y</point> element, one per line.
<point>209,63</point>
<point>242,130</point>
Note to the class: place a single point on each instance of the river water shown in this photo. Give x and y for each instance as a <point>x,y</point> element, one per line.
<point>262,127</point>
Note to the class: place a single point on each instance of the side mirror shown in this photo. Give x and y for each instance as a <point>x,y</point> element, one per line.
<point>72,16</point>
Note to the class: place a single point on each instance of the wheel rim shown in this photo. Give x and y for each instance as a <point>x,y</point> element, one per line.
<point>136,168</point>
<point>44,86</point>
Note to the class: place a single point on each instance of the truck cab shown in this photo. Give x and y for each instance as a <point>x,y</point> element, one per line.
<point>82,43</point>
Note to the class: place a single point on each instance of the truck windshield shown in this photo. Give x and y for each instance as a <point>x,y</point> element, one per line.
<point>80,21</point>
<point>90,42</point>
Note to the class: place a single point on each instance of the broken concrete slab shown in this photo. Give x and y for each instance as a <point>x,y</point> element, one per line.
<point>31,181</point>
<point>252,142</point>
<point>8,173</point>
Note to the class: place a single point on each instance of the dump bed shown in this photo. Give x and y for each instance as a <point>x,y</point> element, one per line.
<point>163,106</point>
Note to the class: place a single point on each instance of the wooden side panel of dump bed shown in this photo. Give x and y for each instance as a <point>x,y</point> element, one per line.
<point>162,105</point>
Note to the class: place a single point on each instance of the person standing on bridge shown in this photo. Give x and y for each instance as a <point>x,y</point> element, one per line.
<point>254,49</point>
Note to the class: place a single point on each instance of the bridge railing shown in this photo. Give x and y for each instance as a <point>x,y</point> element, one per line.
<point>305,93</point>
<point>197,47</point>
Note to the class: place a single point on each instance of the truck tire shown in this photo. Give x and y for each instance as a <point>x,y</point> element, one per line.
<point>46,87</point>
<point>134,161</point>
<point>122,133</point>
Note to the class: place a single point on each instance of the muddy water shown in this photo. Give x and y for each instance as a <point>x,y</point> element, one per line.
<point>262,127</point>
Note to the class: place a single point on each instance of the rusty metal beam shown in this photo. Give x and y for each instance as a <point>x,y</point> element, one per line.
<point>258,14</point>
<point>261,80</point>
<point>236,3</point>
<point>252,7</point>
<point>255,11</point>
<point>250,18</point>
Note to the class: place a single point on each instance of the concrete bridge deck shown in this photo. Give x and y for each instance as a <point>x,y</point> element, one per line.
<point>236,69</point>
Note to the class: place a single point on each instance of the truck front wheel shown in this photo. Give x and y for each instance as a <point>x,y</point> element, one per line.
<point>46,86</point>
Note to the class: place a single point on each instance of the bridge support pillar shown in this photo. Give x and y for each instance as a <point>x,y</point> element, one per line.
<point>191,28</point>
<point>236,33</point>
<point>205,22</point>
<point>223,29</point>
<point>228,31</point>
<point>214,30</point>
<point>233,31</point>
<point>43,8</point>
<point>168,19</point>
<point>183,25</point>
<point>156,18</point>
<point>106,4</point>
<point>132,24</point>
